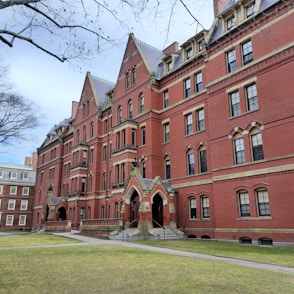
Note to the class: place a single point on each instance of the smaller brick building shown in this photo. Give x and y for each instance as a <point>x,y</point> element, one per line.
<point>17,190</point>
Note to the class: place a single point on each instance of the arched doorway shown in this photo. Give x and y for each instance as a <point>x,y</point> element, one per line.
<point>134,211</point>
<point>157,211</point>
<point>61,212</point>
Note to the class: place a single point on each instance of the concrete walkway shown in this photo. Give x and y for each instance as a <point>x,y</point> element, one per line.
<point>94,241</point>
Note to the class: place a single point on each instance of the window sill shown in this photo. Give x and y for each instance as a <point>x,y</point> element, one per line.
<point>248,218</point>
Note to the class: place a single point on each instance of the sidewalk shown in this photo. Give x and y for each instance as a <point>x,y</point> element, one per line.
<point>251,264</point>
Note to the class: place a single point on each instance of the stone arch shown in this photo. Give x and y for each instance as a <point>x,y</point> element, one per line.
<point>130,194</point>
<point>158,203</point>
<point>61,213</point>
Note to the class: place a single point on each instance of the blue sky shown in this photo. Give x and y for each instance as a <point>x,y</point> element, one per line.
<point>53,85</point>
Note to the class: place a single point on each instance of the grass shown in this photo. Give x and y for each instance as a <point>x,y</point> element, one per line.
<point>114,269</point>
<point>34,240</point>
<point>272,255</point>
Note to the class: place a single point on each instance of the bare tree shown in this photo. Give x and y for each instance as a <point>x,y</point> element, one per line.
<point>17,114</point>
<point>67,29</point>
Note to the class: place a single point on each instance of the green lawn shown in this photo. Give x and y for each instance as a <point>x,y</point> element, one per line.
<point>114,269</point>
<point>265,254</point>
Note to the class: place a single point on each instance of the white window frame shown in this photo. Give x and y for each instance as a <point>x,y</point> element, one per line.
<point>24,205</point>
<point>11,204</point>
<point>11,190</point>
<point>22,220</point>
<point>1,189</point>
<point>25,176</point>
<point>11,217</point>
<point>24,190</point>
<point>1,174</point>
<point>13,175</point>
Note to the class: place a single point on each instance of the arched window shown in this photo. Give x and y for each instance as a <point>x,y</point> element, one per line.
<point>205,207</point>
<point>141,103</point>
<point>127,80</point>
<point>133,76</point>
<point>119,114</point>
<point>202,159</point>
<point>244,204</point>
<point>263,204</point>
<point>256,145</point>
<point>130,109</point>
<point>92,130</point>
<point>167,167</point>
<point>239,149</point>
<point>190,162</point>
<point>116,210</point>
<point>102,211</point>
<point>192,207</point>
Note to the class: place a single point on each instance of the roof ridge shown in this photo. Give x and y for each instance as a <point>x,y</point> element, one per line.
<point>148,45</point>
<point>102,80</point>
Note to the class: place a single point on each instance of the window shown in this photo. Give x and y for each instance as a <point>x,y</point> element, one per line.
<point>235,104</point>
<point>263,203</point>
<point>133,76</point>
<point>165,99</point>
<point>247,52</point>
<point>123,133</point>
<point>116,210</point>
<point>166,133</point>
<point>141,103</point>
<point>24,205</point>
<point>244,205</point>
<point>83,185</point>
<point>190,162</point>
<point>11,204</point>
<point>25,191</point>
<point>106,124</point>
<point>127,80</point>
<point>104,181</point>
<point>250,9</point>
<point>104,153</point>
<point>22,220</point>
<point>13,190</point>
<point>133,137</point>
<point>198,82</point>
<point>187,87</point>
<point>1,174</point>
<point>123,172</point>
<point>231,60</point>
<point>169,65</point>
<point>25,176</point>
<point>167,168</point>
<point>202,160</point>
<point>257,148</point>
<point>13,175</point>
<point>200,120</point>
<point>205,207</point>
<point>189,122</point>
<point>117,173</point>
<point>252,99</point>
<point>84,134</point>
<point>192,205</point>
<point>1,189</point>
<point>188,52</point>
<point>230,22</point>
<point>92,130</point>
<point>9,220</point>
<point>239,150</point>
<point>85,157</point>
<point>130,110</point>
<point>119,115</point>
<point>91,156</point>
<point>143,135</point>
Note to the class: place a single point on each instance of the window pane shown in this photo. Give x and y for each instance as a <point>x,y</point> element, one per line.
<point>205,207</point>
<point>192,208</point>
<point>247,52</point>
<point>244,204</point>
<point>235,104</point>
<point>231,59</point>
<point>263,203</point>
<point>239,150</point>
<point>252,100</point>
<point>191,164</point>
<point>257,147</point>
<point>203,162</point>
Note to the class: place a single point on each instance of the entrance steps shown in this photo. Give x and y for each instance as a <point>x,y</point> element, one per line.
<point>166,233</point>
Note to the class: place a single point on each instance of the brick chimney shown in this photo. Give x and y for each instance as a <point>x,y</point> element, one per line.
<point>218,5</point>
<point>172,48</point>
<point>32,160</point>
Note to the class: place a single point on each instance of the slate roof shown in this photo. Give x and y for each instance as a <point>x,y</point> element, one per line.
<point>152,55</point>
<point>102,87</point>
<point>264,5</point>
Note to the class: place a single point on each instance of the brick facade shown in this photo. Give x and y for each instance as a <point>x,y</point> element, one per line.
<point>209,122</point>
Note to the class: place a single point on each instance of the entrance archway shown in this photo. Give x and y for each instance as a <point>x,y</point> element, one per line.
<point>61,212</point>
<point>134,211</point>
<point>157,211</point>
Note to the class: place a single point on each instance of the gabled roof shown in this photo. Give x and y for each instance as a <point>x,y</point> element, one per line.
<point>102,87</point>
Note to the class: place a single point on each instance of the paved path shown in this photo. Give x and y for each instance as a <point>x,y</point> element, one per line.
<point>94,241</point>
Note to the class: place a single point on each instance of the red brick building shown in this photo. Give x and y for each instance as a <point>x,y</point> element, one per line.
<point>17,191</point>
<point>196,137</point>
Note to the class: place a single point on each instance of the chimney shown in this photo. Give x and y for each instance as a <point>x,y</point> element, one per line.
<point>172,48</point>
<point>218,6</point>
<point>32,161</point>
<point>28,160</point>
<point>74,109</point>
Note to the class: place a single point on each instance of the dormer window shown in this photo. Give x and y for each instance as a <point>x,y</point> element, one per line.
<point>200,45</point>
<point>250,9</point>
<point>189,52</point>
<point>231,22</point>
<point>169,65</point>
